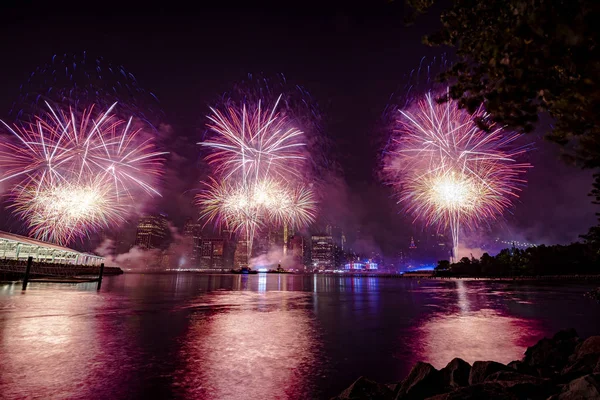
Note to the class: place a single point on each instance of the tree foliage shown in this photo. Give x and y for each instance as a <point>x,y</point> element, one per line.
<point>576,258</point>
<point>521,58</point>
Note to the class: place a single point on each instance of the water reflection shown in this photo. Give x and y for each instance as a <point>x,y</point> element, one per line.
<point>242,353</point>
<point>47,350</point>
<point>473,331</point>
<point>263,336</point>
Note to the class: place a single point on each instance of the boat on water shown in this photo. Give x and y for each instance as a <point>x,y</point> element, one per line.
<point>244,271</point>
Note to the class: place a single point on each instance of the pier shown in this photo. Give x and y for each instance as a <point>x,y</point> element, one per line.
<point>12,270</point>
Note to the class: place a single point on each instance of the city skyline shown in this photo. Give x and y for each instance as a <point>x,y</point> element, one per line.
<point>353,196</point>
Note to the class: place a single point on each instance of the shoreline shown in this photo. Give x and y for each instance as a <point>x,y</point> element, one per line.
<point>559,368</point>
<point>573,277</point>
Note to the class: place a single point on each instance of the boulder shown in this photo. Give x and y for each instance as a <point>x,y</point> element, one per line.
<point>456,373</point>
<point>482,369</point>
<point>366,389</point>
<point>422,381</point>
<point>487,390</point>
<point>394,387</point>
<point>584,388</point>
<point>584,360</point>
<point>550,355</point>
<point>523,386</point>
<point>522,368</point>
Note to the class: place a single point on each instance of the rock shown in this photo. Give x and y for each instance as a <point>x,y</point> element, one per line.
<point>523,386</point>
<point>422,381</point>
<point>584,360</point>
<point>513,376</point>
<point>584,388</point>
<point>549,356</point>
<point>482,369</point>
<point>522,368</point>
<point>366,389</point>
<point>456,373</point>
<point>394,387</point>
<point>597,369</point>
<point>488,391</point>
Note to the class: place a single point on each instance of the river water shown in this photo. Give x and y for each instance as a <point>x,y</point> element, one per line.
<point>263,336</point>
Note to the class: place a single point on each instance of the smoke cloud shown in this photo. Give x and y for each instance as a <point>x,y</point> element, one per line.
<point>273,258</point>
<point>176,255</point>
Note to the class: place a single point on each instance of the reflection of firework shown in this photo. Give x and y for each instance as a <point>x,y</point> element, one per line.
<point>449,171</point>
<point>74,175</point>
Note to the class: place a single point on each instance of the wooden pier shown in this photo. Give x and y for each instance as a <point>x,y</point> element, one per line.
<point>11,270</point>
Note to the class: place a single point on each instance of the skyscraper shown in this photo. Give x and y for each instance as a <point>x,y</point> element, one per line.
<point>337,234</point>
<point>322,252</point>
<point>152,232</point>
<point>212,253</point>
<point>192,231</point>
<point>240,257</point>
<point>296,249</point>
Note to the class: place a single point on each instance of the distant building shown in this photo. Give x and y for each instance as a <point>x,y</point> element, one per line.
<point>193,232</point>
<point>296,249</point>
<point>212,251</point>
<point>368,265</point>
<point>240,256</point>
<point>152,232</point>
<point>337,234</point>
<point>322,252</point>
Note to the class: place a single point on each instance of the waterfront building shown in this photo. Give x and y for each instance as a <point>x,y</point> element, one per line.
<point>152,232</point>
<point>240,256</point>
<point>368,265</point>
<point>20,248</point>
<point>192,231</point>
<point>212,251</point>
<point>322,252</point>
<point>296,249</point>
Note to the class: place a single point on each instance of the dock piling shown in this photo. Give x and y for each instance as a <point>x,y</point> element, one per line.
<point>100,276</point>
<point>27,271</point>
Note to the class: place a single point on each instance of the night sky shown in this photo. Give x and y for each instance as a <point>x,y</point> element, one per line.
<point>350,60</point>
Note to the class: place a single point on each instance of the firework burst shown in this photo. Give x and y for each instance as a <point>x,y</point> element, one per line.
<point>71,176</point>
<point>448,171</point>
<point>254,143</point>
<point>257,158</point>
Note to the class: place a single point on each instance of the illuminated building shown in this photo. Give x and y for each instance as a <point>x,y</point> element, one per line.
<point>296,249</point>
<point>212,251</point>
<point>240,257</point>
<point>20,248</point>
<point>337,234</point>
<point>361,266</point>
<point>322,252</point>
<point>152,232</point>
<point>193,232</point>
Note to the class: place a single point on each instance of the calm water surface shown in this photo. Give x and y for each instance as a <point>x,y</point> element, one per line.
<point>263,336</point>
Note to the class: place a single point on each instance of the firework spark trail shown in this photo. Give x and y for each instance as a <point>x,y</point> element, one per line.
<point>255,143</point>
<point>450,172</point>
<point>258,159</point>
<point>244,209</point>
<point>71,176</point>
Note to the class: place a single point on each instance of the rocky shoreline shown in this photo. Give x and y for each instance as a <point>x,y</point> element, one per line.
<point>564,367</point>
